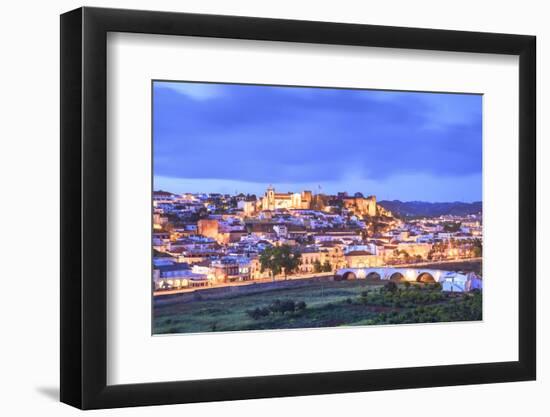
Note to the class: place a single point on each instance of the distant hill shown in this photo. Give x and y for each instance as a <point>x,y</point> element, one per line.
<point>424,209</point>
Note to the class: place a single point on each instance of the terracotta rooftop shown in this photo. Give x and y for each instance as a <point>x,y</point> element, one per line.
<point>358,253</point>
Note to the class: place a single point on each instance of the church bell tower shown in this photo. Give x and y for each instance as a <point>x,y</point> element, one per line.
<point>270,197</point>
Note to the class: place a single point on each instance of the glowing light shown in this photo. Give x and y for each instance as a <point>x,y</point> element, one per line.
<point>361,273</point>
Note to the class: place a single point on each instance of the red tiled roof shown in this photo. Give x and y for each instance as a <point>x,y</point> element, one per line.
<point>358,253</point>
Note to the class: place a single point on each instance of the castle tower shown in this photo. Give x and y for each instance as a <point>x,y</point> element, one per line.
<point>372,206</point>
<point>296,201</point>
<point>307,198</point>
<point>268,202</point>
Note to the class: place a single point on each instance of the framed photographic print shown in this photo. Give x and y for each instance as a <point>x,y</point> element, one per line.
<point>258,207</point>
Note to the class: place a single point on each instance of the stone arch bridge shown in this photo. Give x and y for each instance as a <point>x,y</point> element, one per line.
<point>394,274</point>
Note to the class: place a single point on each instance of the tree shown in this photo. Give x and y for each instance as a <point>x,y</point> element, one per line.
<point>258,312</point>
<point>327,267</point>
<point>280,259</point>
<point>268,261</point>
<point>288,305</point>
<point>390,286</point>
<point>317,267</point>
<point>452,227</point>
<point>477,250</point>
<point>283,306</point>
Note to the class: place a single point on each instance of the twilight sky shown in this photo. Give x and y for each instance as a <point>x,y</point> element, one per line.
<point>241,138</point>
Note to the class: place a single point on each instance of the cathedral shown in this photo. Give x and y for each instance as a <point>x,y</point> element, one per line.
<point>273,201</point>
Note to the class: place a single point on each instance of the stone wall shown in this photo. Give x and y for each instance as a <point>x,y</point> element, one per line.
<point>361,206</point>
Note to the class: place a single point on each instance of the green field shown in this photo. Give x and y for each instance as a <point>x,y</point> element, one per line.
<point>317,304</point>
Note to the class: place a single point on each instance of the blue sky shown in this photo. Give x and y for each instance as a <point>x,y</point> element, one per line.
<point>241,138</point>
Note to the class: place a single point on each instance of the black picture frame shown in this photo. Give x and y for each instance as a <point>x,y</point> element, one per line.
<point>84,207</point>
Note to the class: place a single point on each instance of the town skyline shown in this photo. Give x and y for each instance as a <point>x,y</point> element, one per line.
<point>296,189</point>
<point>292,247</point>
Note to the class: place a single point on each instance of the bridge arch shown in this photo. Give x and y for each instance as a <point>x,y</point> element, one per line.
<point>373,276</point>
<point>425,277</point>
<point>397,276</point>
<point>349,275</point>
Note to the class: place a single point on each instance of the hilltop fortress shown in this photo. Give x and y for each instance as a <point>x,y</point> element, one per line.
<point>273,201</point>
<point>306,200</point>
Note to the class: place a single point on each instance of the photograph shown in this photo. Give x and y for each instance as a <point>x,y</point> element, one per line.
<point>244,196</point>
<point>289,207</point>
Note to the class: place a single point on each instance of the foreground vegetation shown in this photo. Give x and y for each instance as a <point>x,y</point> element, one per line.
<point>320,304</point>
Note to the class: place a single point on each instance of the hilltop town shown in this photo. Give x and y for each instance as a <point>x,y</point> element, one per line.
<point>208,240</point>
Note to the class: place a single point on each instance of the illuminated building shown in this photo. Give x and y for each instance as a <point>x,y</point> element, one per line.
<point>362,259</point>
<point>273,201</point>
<point>208,228</point>
<point>361,205</point>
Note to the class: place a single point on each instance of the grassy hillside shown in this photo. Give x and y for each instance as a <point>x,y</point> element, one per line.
<point>320,304</point>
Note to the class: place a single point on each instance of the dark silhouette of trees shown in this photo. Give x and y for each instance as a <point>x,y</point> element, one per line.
<point>327,267</point>
<point>317,267</point>
<point>390,286</point>
<point>280,259</point>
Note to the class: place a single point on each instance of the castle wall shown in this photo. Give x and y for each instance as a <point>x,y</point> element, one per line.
<point>208,228</point>
<point>360,206</point>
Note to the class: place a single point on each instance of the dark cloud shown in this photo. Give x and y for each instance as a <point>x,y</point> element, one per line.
<point>282,134</point>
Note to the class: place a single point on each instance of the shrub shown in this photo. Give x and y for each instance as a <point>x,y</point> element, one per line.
<point>390,286</point>
<point>275,306</point>
<point>288,305</point>
<point>434,297</point>
<point>301,305</point>
<point>282,307</point>
<point>258,313</point>
<point>254,314</point>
